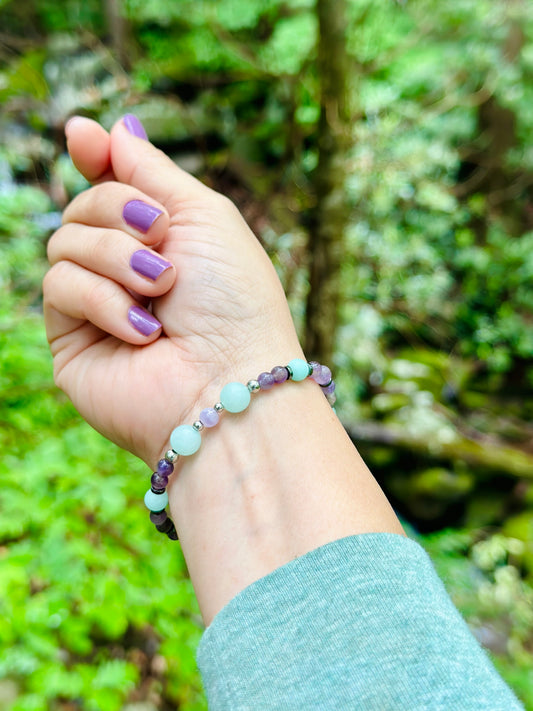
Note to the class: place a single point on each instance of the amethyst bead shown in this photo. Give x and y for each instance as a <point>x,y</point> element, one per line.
<point>166,526</point>
<point>164,467</point>
<point>280,374</point>
<point>173,534</point>
<point>329,389</point>
<point>209,417</point>
<point>322,375</point>
<point>158,518</point>
<point>266,381</point>
<point>159,481</point>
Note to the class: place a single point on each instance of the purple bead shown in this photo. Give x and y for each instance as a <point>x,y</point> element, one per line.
<point>329,389</point>
<point>158,518</point>
<point>159,481</point>
<point>314,365</point>
<point>280,374</point>
<point>209,417</point>
<point>266,381</point>
<point>164,467</point>
<point>322,375</point>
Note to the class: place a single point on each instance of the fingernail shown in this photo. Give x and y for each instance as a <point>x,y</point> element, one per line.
<point>148,264</point>
<point>142,320</point>
<point>140,215</point>
<point>134,126</point>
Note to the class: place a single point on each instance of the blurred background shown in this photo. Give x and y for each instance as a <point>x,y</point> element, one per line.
<point>382,151</point>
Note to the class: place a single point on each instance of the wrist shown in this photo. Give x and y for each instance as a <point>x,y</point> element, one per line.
<point>272,483</point>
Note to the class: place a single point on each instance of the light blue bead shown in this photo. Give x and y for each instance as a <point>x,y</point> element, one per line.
<point>185,440</point>
<point>235,397</point>
<point>299,369</point>
<point>155,502</point>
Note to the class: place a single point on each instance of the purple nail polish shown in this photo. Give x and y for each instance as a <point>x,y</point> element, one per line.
<point>134,126</point>
<point>148,264</point>
<point>140,215</point>
<point>142,320</point>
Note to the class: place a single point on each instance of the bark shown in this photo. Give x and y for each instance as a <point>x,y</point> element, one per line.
<point>329,217</point>
<point>117,27</point>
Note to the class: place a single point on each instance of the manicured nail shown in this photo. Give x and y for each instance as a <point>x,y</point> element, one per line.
<point>140,215</point>
<point>142,320</point>
<point>134,126</point>
<point>148,264</point>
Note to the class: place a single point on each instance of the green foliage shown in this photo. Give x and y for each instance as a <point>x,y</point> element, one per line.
<point>483,579</point>
<point>437,281</point>
<point>96,609</point>
<point>99,590</point>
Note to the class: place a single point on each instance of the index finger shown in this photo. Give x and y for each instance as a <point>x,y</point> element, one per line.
<point>89,147</point>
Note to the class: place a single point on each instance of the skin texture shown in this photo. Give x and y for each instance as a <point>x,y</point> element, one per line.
<point>269,484</point>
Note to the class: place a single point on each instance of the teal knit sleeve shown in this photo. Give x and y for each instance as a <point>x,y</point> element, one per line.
<point>361,623</point>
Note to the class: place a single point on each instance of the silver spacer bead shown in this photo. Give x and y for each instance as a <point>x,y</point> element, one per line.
<point>253,386</point>
<point>171,456</point>
<point>198,426</point>
<point>219,407</point>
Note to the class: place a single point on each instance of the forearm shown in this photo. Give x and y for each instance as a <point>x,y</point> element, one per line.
<point>267,486</point>
<point>361,623</point>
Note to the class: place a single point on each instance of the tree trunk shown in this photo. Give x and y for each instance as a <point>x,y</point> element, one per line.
<point>117,27</point>
<point>330,213</point>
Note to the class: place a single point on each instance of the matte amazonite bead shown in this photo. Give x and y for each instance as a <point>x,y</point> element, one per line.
<point>235,397</point>
<point>185,440</point>
<point>299,369</point>
<point>155,502</point>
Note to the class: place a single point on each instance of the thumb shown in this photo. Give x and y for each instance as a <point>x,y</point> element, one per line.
<point>138,163</point>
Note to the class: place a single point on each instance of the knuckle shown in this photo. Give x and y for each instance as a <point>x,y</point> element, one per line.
<point>54,276</point>
<point>87,201</point>
<point>54,245</point>
<point>99,294</point>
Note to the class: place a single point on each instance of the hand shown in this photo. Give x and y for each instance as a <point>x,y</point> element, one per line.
<point>211,286</point>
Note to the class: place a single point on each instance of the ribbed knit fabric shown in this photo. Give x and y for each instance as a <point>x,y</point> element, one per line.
<point>361,623</point>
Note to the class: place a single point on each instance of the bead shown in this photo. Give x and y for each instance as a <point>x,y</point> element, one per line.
<point>159,481</point>
<point>185,440</point>
<point>171,456</point>
<point>165,526</point>
<point>235,397</point>
<point>280,374</point>
<point>219,407</point>
<point>165,467</point>
<point>266,381</point>
<point>329,389</point>
<point>158,517</point>
<point>332,399</point>
<point>155,502</point>
<point>173,534</point>
<point>253,386</point>
<point>314,365</point>
<point>299,369</point>
<point>322,375</point>
<point>209,417</point>
<point>198,426</point>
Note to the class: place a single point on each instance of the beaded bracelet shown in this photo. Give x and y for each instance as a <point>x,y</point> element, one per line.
<point>235,397</point>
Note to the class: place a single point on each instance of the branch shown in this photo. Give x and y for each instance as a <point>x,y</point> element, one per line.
<point>483,451</point>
